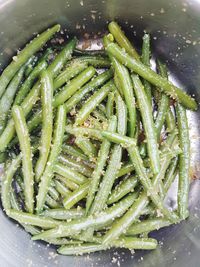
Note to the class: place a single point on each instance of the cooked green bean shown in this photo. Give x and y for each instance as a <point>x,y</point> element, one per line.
<point>80,52</point>
<point>125,169</point>
<point>28,83</point>
<point>73,198</point>
<point>32,96</point>
<point>122,189</point>
<point>124,242</point>
<point>92,102</point>
<point>8,96</point>
<point>170,121</point>
<point>36,220</point>
<point>24,55</point>
<point>95,61</point>
<point>147,226</point>
<point>171,174</point>
<point>61,188</point>
<point>55,150</point>
<point>92,85</point>
<point>145,72</point>
<point>63,214</point>
<point>73,86</point>
<point>148,124</point>
<point>184,162</point>
<point>101,161</point>
<point>123,41</point>
<point>70,72</point>
<point>145,58</point>
<point>47,123</point>
<point>27,168</point>
<point>53,204</point>
<point>73,151</point>
<point>87,147</point>
<point>110,104</point>
<point>163,106</point>
<point>70,174</point>
<point>99,115</point>
<point>96,221</point>
<point>127,88</point>
<point>75,165</point>
<point>69,183</point>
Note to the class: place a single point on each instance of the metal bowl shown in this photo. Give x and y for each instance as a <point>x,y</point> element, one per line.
<point>175,31</point>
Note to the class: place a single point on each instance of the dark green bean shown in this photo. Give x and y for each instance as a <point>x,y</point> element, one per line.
<point>83,52</point>
<point>55,150</point>
<point>170,121</point>
<point>145,72</point>
<point>95,61</point>
<point>171,174</point>
<point>27,168</point>
<point>24,55</point>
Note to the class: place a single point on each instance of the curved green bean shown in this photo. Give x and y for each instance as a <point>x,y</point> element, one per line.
<point>63,214</point>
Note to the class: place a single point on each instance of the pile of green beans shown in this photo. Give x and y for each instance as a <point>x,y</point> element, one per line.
<point>89,155</point>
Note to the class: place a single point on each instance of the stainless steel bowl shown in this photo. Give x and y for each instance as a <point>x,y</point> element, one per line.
<point>174,27</point>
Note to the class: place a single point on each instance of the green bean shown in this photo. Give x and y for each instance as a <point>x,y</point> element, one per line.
<point>124,141</point>
<point>99,115</point>
<point>36,220</point>
<point>73,151</point>
<point>96,221</point>
<point>83,52</point>
<point>95,61</point>
<point>55,150</point>
<point>47,123</point>
<point>145,59</point>
<point>124,242</point>
<point>163,106</point>
<point>122,189</point>
<point>184,162</point>
<point>125,169</point>
<point>145,72</point>
<point>63,214</point>
<point>86,146</point>
<point>53,204</point>
<point>127,88</point>
<point>147,226</point>
<point>92,85</point>
<point>75,84</point>
<point>27,168</point>
<point>69,183</point>
<point>171,174</point>
<point>70,174</point>
<point>24,55</point>
<point>53,192</point>
<point>61,188</point>
<point>114,163</point>
<point>28,83</point>
<point>75,165</point>
<point>102,108</point>
<point>7,180</point>
<point>110,104</point>
<point>122,40</point>
<point>30,65</point>
<point>148,124</point>
<point>93,102</point>
<point>101,161</point>
<point>170,121</point>
<point>76,196</point>
<point>8,96</point>
<point>32,96</point>
<point>70,72</point>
